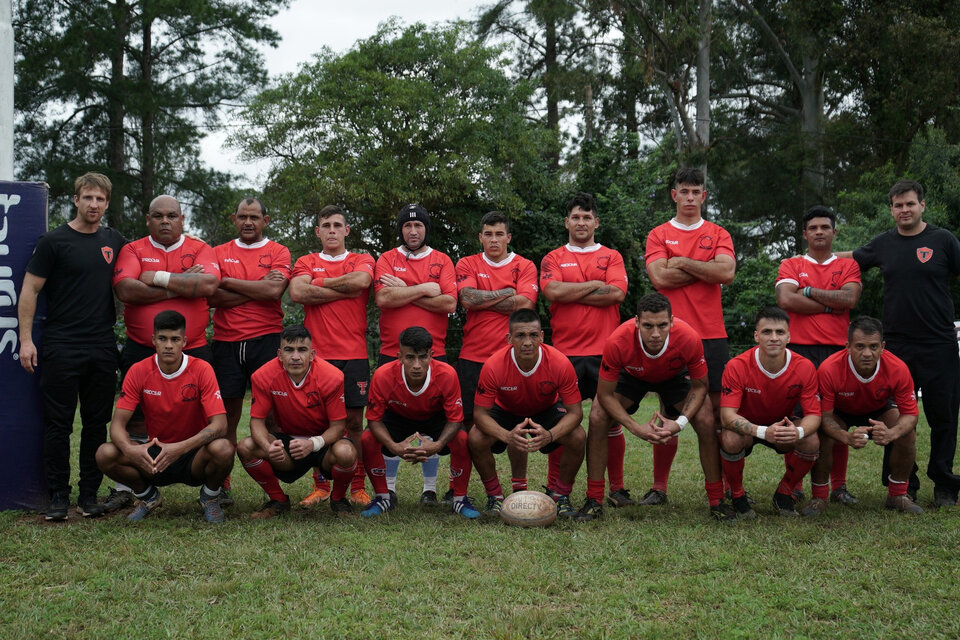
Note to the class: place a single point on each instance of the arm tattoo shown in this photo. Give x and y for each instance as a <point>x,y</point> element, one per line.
<point>476,296</point>
<point>741,426</point>
<point>208,435</point>
<point>507,304</point>
<point>830,297</point>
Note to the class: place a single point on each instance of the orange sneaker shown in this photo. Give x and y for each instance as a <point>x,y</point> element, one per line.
<point>360,497</point>
<point>318,495</point>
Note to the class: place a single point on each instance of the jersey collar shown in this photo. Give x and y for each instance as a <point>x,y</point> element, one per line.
<point>171,376</point>
<point>832,257</point>
<point>256,245</point>
<point>772,376</point>
<point>653,356</point>
<point>409,256</point>
<point>176,245</point>
<point>507,260</point>
<point>305,376</point>
<point>858,376</point>
<point>575,249</point>
<point>686,227</point>
<point>426,382</point>
<point>329,258</point>
<point>527,374</point>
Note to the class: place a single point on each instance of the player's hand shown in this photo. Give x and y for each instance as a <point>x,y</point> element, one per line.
<point>537,436</point>
<point>667,424</point>
<point>139,455</point>
<point>276,453</point>
<point>518,436</point>
<point>428,447</point>
<point>430,289</point>
<point>858,438</point>
<point>300,448</point>
<point>676,262</point>
<point>409,451</point>
<point>28,356</point>
<point>391,281</point>
<point>783,432</point>
<point>882,434</point>
<point>197,268</point>
<point>170,452</point>
<point>274,274</point>
<point>651,431</point>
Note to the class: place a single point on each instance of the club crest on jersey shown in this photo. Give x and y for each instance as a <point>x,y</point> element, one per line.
<point>706,242</point>
<point>794,390</point>
<point>107,253</point>
<point>435,269</point>
<point>924,254</point>
<point>547,388</point>
<point>189,393</point>
<point>264,261</point>
<point>313,399</point>
<point>187,260</point>
<point>603,262</point>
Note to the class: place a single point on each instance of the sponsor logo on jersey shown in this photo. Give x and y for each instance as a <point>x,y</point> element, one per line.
<point>483,275</point>
<point>151,392</point>
<point>508,388</point>
<point>278,393</point>
<point>403,269</point>
<point>399,402</point>
<point>845,394</point>
<point>569,264</point>
<point>107,253</point>
<point>672,241</point>
<point>752,390</point>
<point>231,260</point>
<point>924,254</point>
<point>149,259</point>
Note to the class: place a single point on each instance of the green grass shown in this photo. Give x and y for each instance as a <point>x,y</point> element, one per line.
<point>665,572</point>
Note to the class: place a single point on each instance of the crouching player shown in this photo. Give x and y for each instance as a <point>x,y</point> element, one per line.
<point>761,387</point>
<point>527,398</point>
<point>305,395</point>
<point>653,353</point>
<point>871,390</point>
<point>414,411</point>
<point>185,420</point>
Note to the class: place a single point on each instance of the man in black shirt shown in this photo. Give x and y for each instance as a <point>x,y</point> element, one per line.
<point>73,265</point>
<point>917,261</point>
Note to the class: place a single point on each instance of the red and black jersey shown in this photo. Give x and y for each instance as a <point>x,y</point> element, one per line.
<point>682,351</point>
<point>339,327</point>
<point>698,302</point>
<point>175,406</point>
<point>569,319</point>
<point>253,318</point>
<point>486,329</point>
<point>146,254</point>
<point>304,409</point>
<point>439,395</point>
<point>526,393</point>
<point>804,271</point>
<point>429,266</point>
<point>842,389</point>
<point>763,397</point>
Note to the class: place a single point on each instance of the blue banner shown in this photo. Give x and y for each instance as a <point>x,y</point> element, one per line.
<point>23,218</point>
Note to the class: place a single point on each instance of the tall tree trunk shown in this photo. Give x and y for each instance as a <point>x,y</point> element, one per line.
<point>550,78</point>
<point>117,158</point>
<point>588,112</point>
<point>702,128</point>
<point>147,170</point>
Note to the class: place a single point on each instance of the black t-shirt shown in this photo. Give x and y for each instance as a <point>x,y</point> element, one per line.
<point>917,271</point>
<point>78,268</point>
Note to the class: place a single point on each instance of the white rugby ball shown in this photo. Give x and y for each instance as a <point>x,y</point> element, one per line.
<point>529,509</point>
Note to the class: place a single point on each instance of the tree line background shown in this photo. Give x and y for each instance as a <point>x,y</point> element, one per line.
<point>786,104</point>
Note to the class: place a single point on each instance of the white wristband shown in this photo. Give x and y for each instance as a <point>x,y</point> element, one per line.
<point>161,279</point>
<point>318,442</point>
<point>762,432</point>
<point>799,433</point>
<point>682,421</point>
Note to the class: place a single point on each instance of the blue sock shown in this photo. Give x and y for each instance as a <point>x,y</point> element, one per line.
<point>429,469</point>
<point>393,464</point>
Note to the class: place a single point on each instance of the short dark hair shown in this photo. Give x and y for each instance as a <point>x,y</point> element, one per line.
<point>416,338</point>
<point>867,325</point>
<point>295,333</point>
<point>689,175</point>
<point>654,303</point>
<point>494,217</point>
<point>330,210</point>
<point>905,186</point>
<point>257,201</point>
<point>522,316</point>
<point>169,320</point>
<point>771,313</point>
<point>584,200</point>
<point>819,211</point>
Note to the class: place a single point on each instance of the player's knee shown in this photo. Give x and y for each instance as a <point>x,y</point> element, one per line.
<point>810,443</point>
<point>576,438</point>
<point>107,455</point>
<point>221,450</point>
<point>344,453</point>
<point>246,448</point>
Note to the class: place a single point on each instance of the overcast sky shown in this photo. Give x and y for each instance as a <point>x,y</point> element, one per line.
<point>309,25</point>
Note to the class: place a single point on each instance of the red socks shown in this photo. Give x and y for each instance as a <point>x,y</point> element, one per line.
<point>733,472</point>
<point>616,450</point>
<point>798,465</point>
<point>838,473</point>
<point>376,467</point>
<point>663,455</point>
<point>553,468</point>
<point>595,489</point>
<point>261,471</point>
<point>714,492</point>
<point>341,480</point>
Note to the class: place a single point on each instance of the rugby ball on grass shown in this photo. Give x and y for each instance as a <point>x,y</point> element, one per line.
<point>528,509</point>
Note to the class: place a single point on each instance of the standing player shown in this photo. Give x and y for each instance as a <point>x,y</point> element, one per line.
<point>333,286</point>
<point>653,353</point>
<point>585,283</point>
<point>688,259</point>
<point>492,284</point>
<point>185,421</point>
<point>305,396</point>
<point>527,399</point>
<point>73,265</point>
<point>918,261</point>
<point>869,389</point>
<point>415,412</point>
<point>817,290</point>
<point>248,317</point>
<point>761,388</point>
<point>414,286</point>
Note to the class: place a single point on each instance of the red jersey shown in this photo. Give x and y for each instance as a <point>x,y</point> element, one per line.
<point>440,393</point>
<point>763,397</point>
<point>568,319</point>
<point>429,266</point>
<point>527,393</point>
<point>698,302</point>
<point>842,388</point>
<point>250,262</point>
<point>804,271</point>
<point>147,255</point>
<point>304,409</point>
<point>176,406</point>
<point>624,351</point>
<point>339,327</point>
<point>486,329</point>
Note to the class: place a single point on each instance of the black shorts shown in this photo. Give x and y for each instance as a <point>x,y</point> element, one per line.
<point>770,445</point>
<point>672,392</point>
<point>300,467</point>
<point>384,359</point>
<point>133,352</point>
<point>547,419</point>
<point>863,419</point>
<point>178,472</point>
<point>587,369</point>
<point>235,362</point>
<point>468,372</point>
<point>815,353</point>
<point>401,428</point>
<point>356,381</point>
<point>716,353</point>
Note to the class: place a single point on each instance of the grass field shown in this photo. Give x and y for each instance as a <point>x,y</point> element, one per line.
<point>664,572</point>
